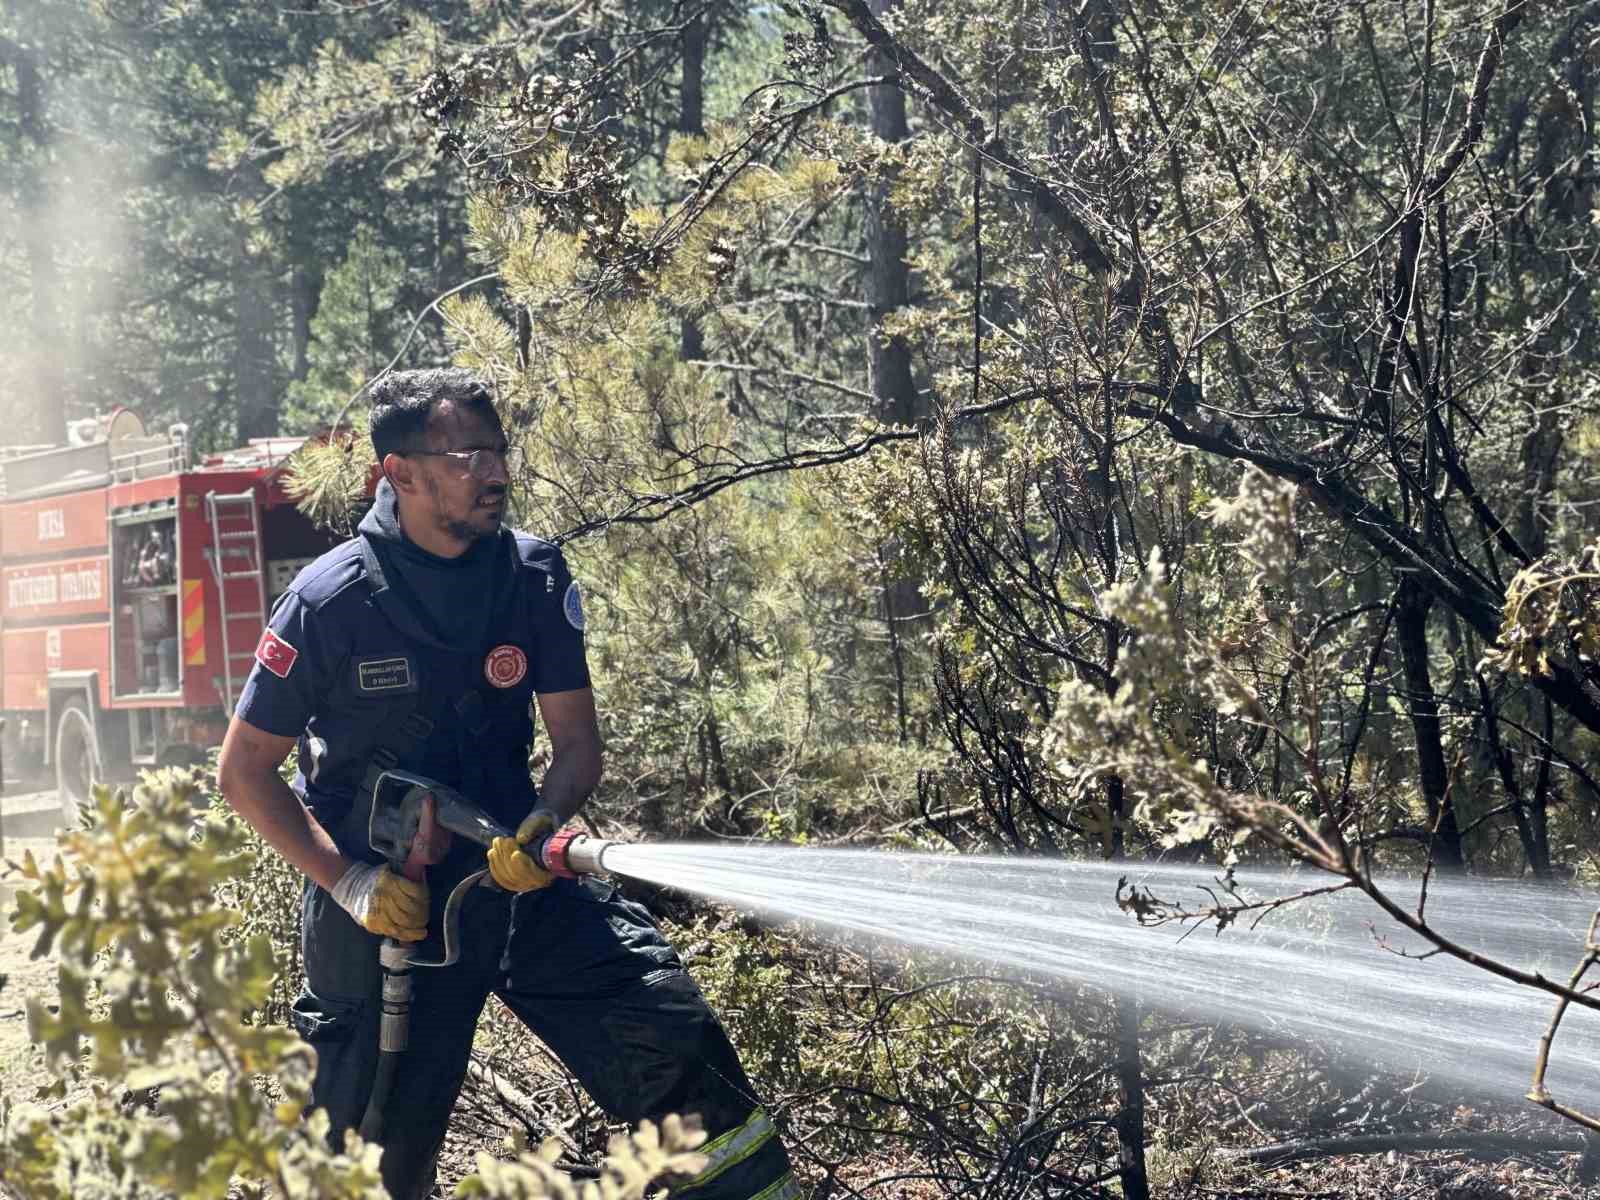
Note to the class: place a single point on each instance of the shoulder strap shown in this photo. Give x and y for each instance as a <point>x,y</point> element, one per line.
<point>394,599</point>
<point>397,741</point>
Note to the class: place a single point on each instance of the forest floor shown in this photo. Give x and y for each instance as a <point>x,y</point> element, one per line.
<point>1437,1176</point>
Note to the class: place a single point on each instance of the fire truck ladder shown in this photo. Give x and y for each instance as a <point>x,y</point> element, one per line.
<point>236,563</point>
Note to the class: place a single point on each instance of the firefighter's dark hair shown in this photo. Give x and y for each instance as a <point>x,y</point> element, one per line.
<point>403,402</point>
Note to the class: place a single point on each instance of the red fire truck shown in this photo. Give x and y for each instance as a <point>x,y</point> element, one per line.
<point>136,585</point>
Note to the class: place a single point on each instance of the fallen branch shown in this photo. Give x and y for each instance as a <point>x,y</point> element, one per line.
<point>1477,1145</point>
<point>872,835</point>
<point>523,1107</point>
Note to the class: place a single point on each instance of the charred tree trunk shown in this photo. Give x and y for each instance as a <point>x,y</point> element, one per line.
<point>711,753</point>
<point>1412,604</point>
<point>1531,818</point>
<point>692,120</point>
<point>1129,1065</point>
<point>44,284</point>
<point>1125,1012</point>
<point>1539,806</point>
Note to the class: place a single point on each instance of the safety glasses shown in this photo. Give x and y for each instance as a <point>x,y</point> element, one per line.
<point>480,464</point>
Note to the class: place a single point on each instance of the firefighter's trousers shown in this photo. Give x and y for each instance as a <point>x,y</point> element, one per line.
<point>587,971</point>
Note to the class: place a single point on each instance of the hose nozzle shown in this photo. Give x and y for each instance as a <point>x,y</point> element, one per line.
<point>571,853</point>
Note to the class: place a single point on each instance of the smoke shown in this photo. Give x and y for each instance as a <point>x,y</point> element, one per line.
<point>65,237</point>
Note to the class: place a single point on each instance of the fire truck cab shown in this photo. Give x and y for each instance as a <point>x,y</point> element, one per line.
<point>135,587</point>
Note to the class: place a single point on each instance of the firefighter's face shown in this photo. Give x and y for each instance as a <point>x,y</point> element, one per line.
<point>460,495</point>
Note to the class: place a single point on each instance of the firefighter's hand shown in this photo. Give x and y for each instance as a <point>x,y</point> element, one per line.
<point>384,903</point>
<point>512,867</point>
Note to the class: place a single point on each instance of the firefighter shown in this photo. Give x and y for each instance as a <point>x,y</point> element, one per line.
<point>420,643</point>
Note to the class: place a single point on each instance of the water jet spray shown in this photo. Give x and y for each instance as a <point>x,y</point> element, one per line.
<point>1332,970</point>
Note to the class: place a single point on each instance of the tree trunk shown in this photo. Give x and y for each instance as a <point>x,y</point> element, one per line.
<point>1411,628</point>
<point>1535,842</point>
<point>305,290</point>
<point>48,378</point>
<point>255,391</point>
<point>305,285</point>
<point>1541,456</point>
<point>889,376</point>
<point>1125,1011</point>
<point>711,742</point>
<point>449,236</point>
<point>890,380</point>
<point>1129,1066</point>
<point>691,119</point>
<point>891,619</point>
<point>1539,807</point>
<point>692,91</point>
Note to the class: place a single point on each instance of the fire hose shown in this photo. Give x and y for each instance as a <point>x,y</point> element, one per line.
<point>398,801</point>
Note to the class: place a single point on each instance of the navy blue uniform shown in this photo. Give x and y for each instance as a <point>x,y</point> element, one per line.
<point>354,660</point>
<point>342,665</point>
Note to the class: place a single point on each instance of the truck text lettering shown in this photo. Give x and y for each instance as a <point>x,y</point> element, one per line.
<point>68,585</point>
<point>52,524</point>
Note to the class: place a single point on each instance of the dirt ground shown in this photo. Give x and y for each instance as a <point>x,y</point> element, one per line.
<point>20,1064</point>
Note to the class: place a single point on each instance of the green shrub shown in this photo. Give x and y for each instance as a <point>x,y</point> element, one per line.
<point>165,1077</point>
<point>152,997</point>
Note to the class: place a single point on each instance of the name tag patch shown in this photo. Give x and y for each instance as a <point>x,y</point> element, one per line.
<point>384,675</point>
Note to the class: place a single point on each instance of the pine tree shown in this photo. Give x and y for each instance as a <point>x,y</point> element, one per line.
<point>355,333</point>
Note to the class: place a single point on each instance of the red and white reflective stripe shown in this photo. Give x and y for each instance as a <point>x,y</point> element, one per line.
<point>275,654</point>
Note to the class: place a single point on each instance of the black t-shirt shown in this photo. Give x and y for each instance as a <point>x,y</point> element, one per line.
<point>453,596</point>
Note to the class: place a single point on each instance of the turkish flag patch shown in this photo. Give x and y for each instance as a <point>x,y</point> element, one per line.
<point>275,654</point>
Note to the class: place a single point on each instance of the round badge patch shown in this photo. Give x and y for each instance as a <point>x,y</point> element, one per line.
<point>572,605</point>
<point>505,666</point>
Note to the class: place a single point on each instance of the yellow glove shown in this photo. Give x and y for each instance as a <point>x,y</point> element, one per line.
<point>512,867</point>
<point>384,903</point>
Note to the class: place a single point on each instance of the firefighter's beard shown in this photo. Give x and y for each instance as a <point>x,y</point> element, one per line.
<point>484,512</point>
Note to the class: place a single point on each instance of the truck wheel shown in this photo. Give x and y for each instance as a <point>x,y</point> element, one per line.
<point>77,755</point>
